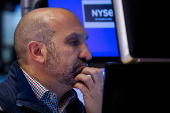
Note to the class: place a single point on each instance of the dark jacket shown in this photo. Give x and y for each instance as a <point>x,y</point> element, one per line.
<point>16,95</point>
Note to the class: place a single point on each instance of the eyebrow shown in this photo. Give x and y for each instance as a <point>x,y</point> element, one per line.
<point>77,35</point>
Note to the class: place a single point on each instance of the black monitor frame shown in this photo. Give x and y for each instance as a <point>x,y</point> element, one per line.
<point>142,30</point>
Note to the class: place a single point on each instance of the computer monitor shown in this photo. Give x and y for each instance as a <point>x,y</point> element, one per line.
<point>98,19</point>
<point>142,30</point>
<point>136,88</point>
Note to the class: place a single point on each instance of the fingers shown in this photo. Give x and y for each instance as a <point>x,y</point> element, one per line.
<point>83,89</point>
<point>93,83</point>
<point>88,82</point>
<point>95,73</point>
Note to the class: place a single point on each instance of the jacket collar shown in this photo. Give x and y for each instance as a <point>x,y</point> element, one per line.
<point>25,95</point>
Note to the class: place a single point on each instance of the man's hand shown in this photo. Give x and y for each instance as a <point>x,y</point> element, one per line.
<point>92,88</point>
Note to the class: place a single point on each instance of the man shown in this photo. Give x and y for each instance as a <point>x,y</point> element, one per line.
<point>52,59</point>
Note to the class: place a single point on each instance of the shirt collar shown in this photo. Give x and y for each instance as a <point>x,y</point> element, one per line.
<point>38,88</point>
<point>44,95</point>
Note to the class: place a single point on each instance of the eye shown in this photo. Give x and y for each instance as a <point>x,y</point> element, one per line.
<point>73,42</point>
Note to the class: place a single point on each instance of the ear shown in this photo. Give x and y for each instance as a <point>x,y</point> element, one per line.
<point>37,51</point>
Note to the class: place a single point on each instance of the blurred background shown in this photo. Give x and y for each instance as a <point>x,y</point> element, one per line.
<point>10,15</point>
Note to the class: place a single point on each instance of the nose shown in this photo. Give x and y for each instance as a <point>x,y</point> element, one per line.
<point>85,53</point>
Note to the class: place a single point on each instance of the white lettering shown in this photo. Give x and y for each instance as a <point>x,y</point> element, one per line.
<point>105,14</point>
<point>110,12</point>
<point>94,13</point>
<point>102,12</point>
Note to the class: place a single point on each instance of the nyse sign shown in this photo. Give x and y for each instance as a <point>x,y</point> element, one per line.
<point>98,15</point>
<point>102,12</point>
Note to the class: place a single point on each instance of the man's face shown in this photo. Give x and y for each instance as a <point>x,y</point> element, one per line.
<point>67,53</point>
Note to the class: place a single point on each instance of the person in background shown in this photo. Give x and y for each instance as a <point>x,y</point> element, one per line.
<point>52,59</point>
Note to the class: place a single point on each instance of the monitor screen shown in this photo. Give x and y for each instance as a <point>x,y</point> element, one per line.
<point>98,19</point>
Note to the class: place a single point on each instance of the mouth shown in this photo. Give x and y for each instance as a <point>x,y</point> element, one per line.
<point>81,67</point>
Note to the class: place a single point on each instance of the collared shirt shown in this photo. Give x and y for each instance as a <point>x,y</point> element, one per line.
<point>48,98</point>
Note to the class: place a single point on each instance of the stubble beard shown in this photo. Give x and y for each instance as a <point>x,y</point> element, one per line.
<point>59,70</point>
